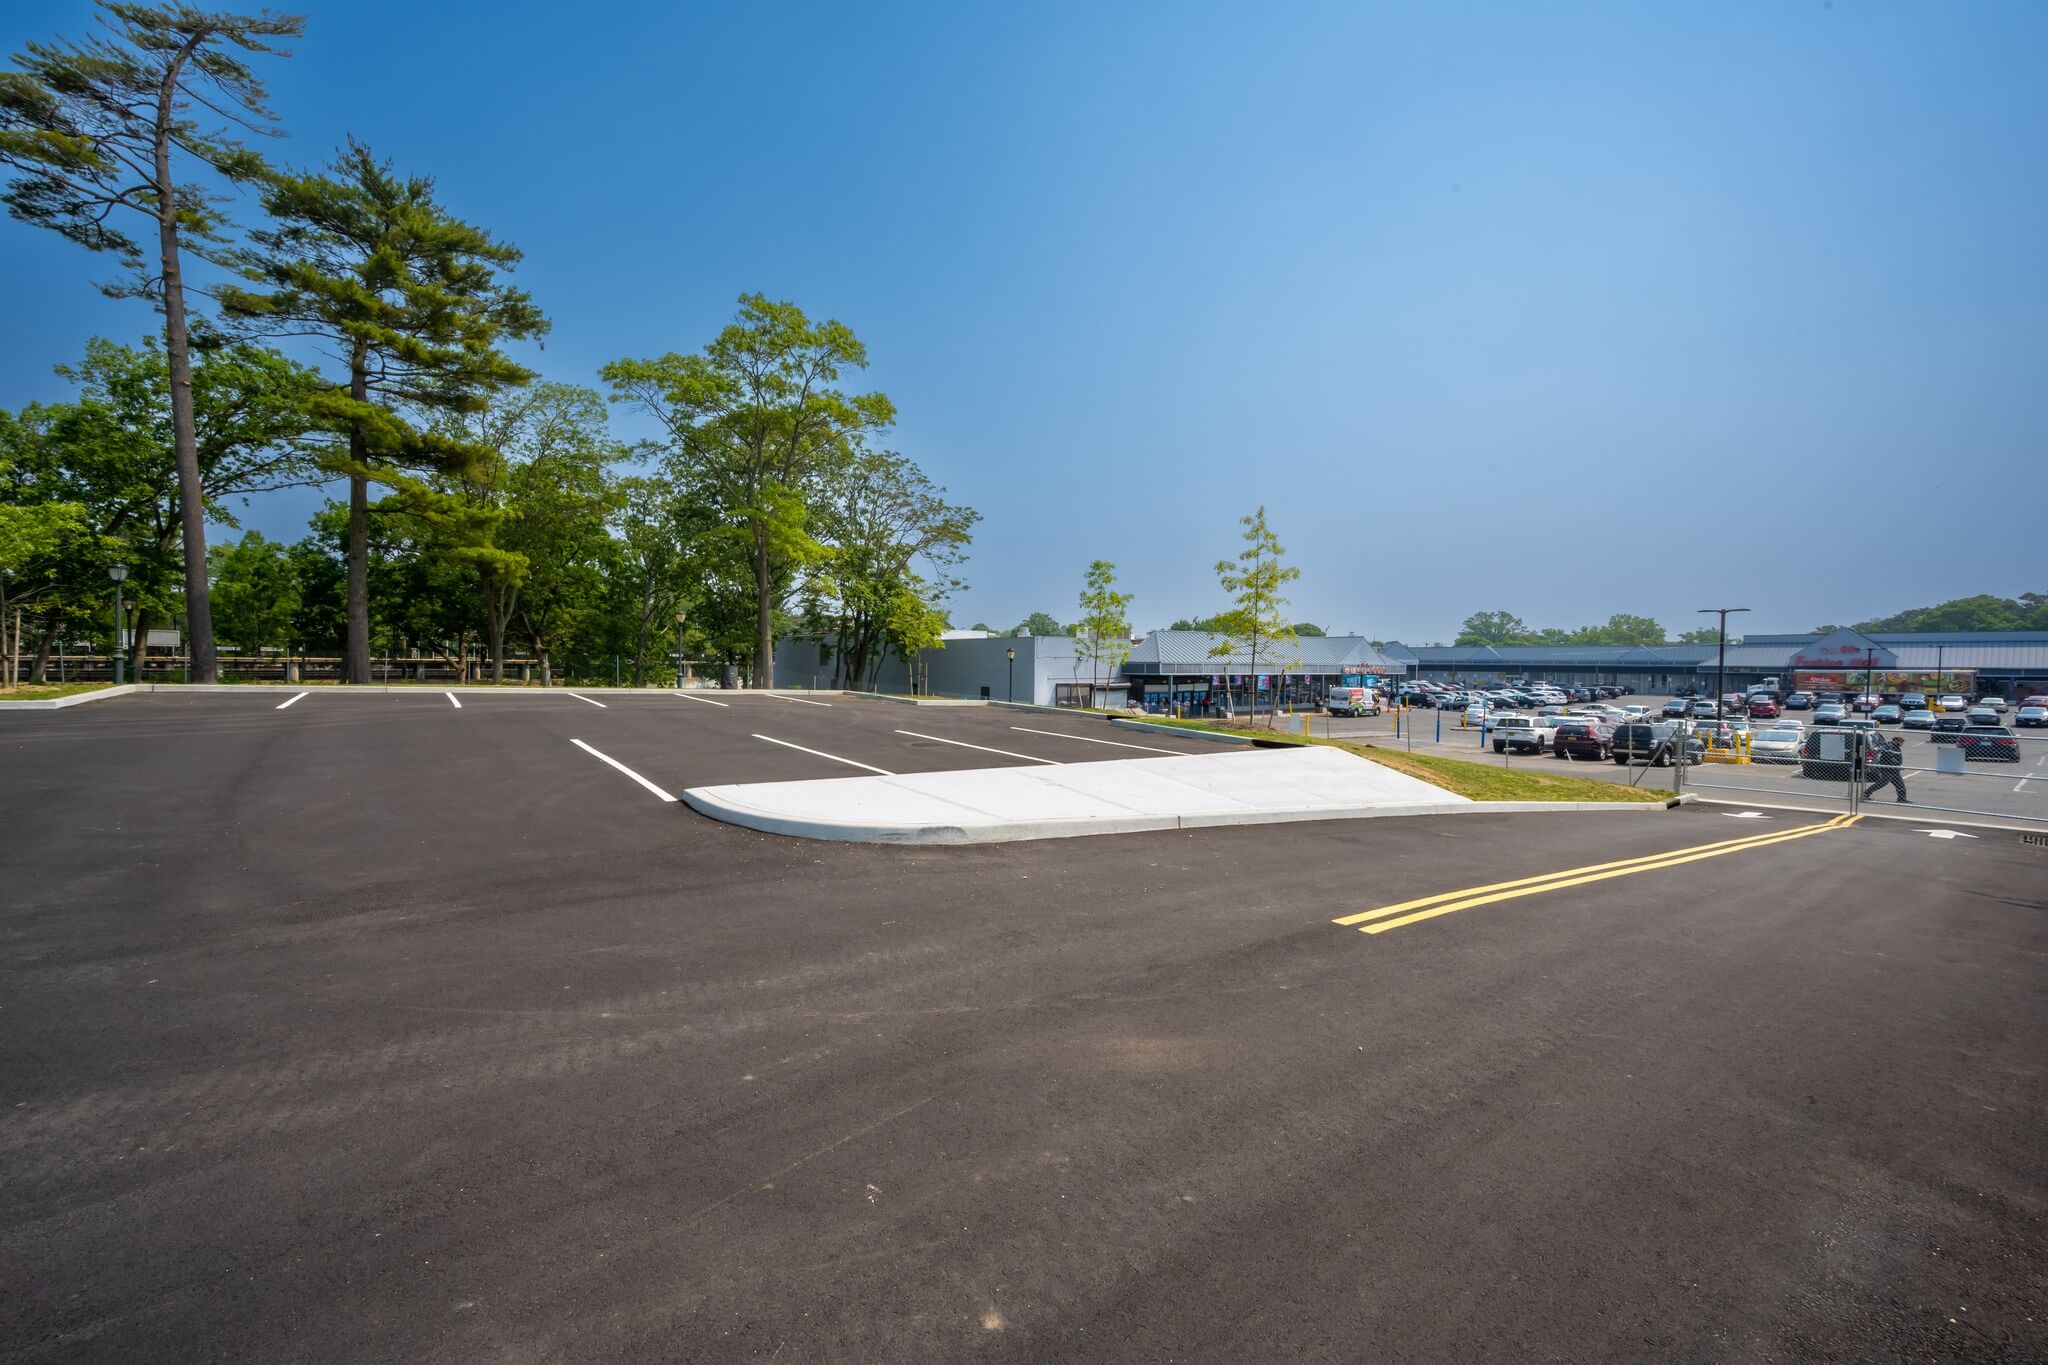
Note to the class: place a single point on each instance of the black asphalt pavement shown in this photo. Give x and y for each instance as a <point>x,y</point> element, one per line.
<point>375,1029</point>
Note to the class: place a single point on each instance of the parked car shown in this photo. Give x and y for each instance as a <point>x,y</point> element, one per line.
<point>1762,707</point>
<point>1922,719</point>
<point>1703,709</point>
<point>1913,701</point>
<point>2032,717</point>
<point>1989,744</point>
<point>1830,713</point>
<point>1953,702</point>
<point>1799,701</point>
<point>1887,715</point>
<point>1582,739</point>
<point>1979,716</point>
<point>1477,712</point>
<point>1865,703</point>
<point>1677,707</point>
<point>1997,704</point>
<point>1658,744</point>
<point>1523,734</point>
<point>1776,746</point>
<point>1946,728</point>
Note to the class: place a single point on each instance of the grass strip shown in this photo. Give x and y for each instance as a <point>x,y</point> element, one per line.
<point>1477,781</point>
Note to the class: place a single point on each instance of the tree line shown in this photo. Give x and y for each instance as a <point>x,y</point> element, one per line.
<point>2028,611</point>
<point>1622,628</point>
<point>483,504</point>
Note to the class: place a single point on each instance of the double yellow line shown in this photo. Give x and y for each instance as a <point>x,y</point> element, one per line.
<point>1429,907</point>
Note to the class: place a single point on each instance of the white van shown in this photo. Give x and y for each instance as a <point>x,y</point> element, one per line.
<point>1352,701</point>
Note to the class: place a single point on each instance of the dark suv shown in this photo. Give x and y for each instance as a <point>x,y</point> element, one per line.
<point>1653,742</point>
<point>1581,739</point>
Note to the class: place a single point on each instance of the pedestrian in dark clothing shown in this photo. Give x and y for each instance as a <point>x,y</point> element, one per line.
<point>1888,763</point>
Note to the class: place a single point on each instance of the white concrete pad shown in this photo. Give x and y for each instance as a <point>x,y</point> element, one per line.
<point>989,805</point>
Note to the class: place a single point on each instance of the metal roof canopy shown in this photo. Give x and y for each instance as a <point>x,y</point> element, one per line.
<point>1175,652</point>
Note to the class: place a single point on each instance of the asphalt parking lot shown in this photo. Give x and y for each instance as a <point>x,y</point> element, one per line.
<point>2013,794</point>
<point>375,1028</point>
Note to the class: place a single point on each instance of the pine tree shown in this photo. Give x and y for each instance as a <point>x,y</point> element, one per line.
<point>94,131</point>
<point>411,297</point>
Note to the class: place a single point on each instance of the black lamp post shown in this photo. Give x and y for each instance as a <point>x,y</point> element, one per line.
<point>1721,665</point>
<point>118,572</point>
<point>1011,655</point>
<point>680,616</point>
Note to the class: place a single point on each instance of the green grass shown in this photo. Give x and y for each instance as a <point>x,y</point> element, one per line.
<point>49,691</point>
<point>1478,781</point>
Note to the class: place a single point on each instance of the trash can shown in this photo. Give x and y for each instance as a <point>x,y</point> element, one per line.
<point>729,676</point>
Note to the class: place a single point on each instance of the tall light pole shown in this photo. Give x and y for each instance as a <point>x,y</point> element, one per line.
<point>680,616</point>
<point>118,571</point>
<point>1011,654</point>
<point>1721,666</point>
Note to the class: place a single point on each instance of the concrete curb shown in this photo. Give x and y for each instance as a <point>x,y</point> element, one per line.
<point>59,703</point>
<point>1192,732</point>
<point>921,701</point>
<point>705,802</point>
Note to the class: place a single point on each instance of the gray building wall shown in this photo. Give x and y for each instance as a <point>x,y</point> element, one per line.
<point>961,668</point>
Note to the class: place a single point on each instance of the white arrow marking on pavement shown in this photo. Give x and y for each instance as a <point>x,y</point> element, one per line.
<point>1746,815</point>
<point>1944,834</point>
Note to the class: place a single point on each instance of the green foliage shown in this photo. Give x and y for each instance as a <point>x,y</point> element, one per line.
<point>1040,623</point>
<point>1506,628</point>
<point>411,297</point>
<point>1308,629</point>
<point>1104,631</point>
<point>757,425</point>
<point>2028,611</point>
<point>1702,635</point>
<point>80,126</point>
<point>255,592</point>
<point>111,453</point>
<point>883,519</point>
<point>1257,623</point>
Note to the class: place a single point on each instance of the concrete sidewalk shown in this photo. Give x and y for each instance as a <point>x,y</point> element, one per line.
<point>997,805</point>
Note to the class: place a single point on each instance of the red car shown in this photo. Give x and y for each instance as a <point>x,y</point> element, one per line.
<point>1763,708</point>
<point>1582,738</point>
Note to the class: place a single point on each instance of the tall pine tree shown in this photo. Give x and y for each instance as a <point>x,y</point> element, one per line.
<point>95,131</point>
<point>411,298</point>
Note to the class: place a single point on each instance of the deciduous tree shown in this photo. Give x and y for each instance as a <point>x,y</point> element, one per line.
<point>756,420</point>
<point>1103,634</point>
<point>1257,621</point>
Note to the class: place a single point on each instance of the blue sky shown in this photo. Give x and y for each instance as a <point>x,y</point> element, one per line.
<point>1472,297</point>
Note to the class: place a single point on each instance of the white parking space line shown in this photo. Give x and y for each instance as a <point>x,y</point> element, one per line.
<point>289,700</point>
<point>580,697</point>
<point>817,754</point>
<point>607,758</point>
<point>452,701</point>
<point>800,701</point>
<point>940,739</point>
<point>2030,777</point>
<point>706,700</point>
<point>1174,753</point>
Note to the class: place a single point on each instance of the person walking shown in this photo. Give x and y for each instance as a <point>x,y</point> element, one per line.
<point>1889,762</point>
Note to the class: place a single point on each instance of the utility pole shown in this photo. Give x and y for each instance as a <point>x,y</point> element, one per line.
<point>1721,665</point>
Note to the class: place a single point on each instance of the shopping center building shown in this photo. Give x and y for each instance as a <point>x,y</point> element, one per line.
<point>1975,663</point>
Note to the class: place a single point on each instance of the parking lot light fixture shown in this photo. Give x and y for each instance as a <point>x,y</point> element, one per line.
<point>680,617</point>
<point>1721,667</point>
<point>1011,654</point>
<point>118,572</point>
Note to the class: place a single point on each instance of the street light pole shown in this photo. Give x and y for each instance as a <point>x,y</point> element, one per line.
<point>1011,654</point>
<point>1721,666</point>
<point>679,649</point>
<point>118,571</point>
